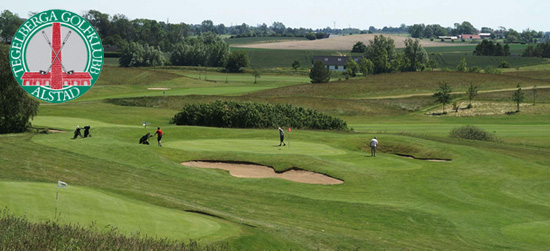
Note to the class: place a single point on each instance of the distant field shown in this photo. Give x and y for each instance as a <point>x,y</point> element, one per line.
<point>267,58</point>
<point>256,40</point>
<point>338,43</point>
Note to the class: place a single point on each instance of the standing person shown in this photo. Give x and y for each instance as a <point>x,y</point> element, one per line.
<point>159,133</point>
<point>282,134</point>
<point>373,145</point>
<point>77,132</point>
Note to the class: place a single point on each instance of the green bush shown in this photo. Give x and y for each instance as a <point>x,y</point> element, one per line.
<point>233,114</point>
<point>473,133</point>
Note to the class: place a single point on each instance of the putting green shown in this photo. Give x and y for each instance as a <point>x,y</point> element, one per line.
<point>83,205</point>
<point>255,146</point>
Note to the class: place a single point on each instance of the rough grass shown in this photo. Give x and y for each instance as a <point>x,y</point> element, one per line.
<point>18,233</point>
<point>472,132</point>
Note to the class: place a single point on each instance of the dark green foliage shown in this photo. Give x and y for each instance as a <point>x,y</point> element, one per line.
<point>233,114</point>
<point>236,60</point>
<point>295,65</point>
<point>489,48</point>
<point>18,233</point>
<point>415,58</point>
<point>16,106</point>
<point>359,47</point>
<point>351,67</point>
<point>137,55</point>
<point>206,50</point>
<point>472,132</point>
<point>504,64</point>
<point>311,36</point>
<point>9,23</point>
<point>492,70</point>
<point>539,50</point>
<point>443,94</point>
<point>319,73</point>
<point>381,52</point>
<point>366,66</point>
<point>462,66</point>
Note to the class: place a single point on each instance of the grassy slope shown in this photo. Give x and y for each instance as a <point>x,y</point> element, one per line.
<point>491,196</point>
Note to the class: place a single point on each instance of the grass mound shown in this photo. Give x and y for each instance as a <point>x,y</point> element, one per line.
<point>473,133</point>
<point>231,114</point>
<point>18,233</point>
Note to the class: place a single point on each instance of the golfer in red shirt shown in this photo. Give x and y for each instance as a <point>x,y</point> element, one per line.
<point>159,133</point>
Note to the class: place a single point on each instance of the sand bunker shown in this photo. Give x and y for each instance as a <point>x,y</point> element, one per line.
<point>55,131</point>
<point>426,159</point>
<point>159,89</point>
<point>244,170</point>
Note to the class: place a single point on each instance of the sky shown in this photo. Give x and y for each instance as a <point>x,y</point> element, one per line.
<point>519,15</point>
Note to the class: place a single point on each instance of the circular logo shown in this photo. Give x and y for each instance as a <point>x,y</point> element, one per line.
<point>56,56</point>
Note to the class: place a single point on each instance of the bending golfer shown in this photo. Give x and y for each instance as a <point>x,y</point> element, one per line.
<point>77,132</point>
<point>282,134</point>
<point>373,145</point>
<point>145,139</point>
<point>159,133</point>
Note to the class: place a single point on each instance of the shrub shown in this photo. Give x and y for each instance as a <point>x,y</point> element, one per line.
<point>492,70</point>
<point>504,64</point>
<point>474,69</point>
<point>233,114</point>
<point>236,60</point>
<point>472,132</point>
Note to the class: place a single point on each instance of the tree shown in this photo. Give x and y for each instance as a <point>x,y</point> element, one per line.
<point>137,55</point>
<point>432,64</point>
<point>534,95</point>
<point>256,75</point>
<point>417,30</point>
<point>16,106</point>
<point>295,65</point>
<point>518,96</point>
<point>504,64</point>
<point>471,93</point>
<point>416,58</point>
<point>443,94</point>
<point>351,67</point>
<point>359,47</point>
<point>237,60</point>
<point>366,66</point>
<point>381,52</point>
<point>9,23</point>
<point>462,66</point>
<point>319,73</point>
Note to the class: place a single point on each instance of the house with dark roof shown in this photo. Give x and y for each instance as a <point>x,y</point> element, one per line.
<point>335,63</point>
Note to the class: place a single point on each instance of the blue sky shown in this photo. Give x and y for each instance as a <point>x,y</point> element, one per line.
<point>519,15</point>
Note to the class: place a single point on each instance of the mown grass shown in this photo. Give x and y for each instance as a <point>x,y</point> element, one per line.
<point>490,196</point>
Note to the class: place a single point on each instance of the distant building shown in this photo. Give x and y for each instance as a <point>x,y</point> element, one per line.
<point>335,63</point>
<point>485,35</point>
<point>470,36</point>
<point>448,37</point>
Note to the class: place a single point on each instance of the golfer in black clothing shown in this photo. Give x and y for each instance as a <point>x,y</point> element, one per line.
<point>87,132</point>
<point>77,132</point>
<point>145,139</point>
<point>282,134</point>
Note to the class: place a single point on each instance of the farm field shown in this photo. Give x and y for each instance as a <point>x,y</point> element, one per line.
<point>477,196</point>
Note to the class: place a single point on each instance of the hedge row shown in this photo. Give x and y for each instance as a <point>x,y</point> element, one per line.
<point>233,114</point>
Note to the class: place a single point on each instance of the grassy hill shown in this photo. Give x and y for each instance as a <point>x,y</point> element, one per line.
<point>489,196</point>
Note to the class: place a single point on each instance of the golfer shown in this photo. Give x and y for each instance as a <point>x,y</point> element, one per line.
<point>145,139</point>
<point>373,145</point>
<point>282,134</point>
<point>87,131</point>
<point>159,133</point>
<point>77,132</point>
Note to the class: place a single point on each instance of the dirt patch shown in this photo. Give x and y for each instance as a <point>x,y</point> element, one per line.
<point>159,89</point>
<point>426,159</point>
<point>342,43</point>
<point>247,170</point>
<point>55,131</point>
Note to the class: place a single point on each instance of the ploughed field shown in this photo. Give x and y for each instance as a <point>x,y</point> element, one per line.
<point>484,196</point>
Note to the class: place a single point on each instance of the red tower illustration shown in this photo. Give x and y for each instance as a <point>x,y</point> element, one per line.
<point>57,77</point>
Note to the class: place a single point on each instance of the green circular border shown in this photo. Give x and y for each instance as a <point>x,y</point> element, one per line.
<point>23,58</point>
